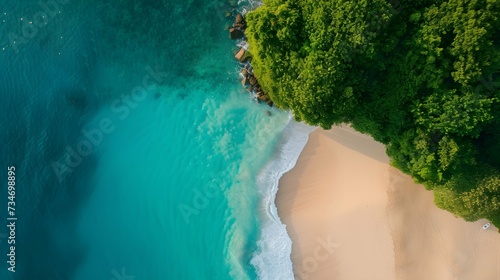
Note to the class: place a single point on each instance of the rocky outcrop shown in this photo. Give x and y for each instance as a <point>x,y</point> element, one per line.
<point>239,22</point>
<point>243,56</point>
<point>249,81</point>
<point>252,84</point>
<point>237,31</point>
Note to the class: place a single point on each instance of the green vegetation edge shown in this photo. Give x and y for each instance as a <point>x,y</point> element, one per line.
<point>422,77</point>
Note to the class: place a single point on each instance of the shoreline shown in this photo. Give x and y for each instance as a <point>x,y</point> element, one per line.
<point>272,259</point>
<point>345,208</point>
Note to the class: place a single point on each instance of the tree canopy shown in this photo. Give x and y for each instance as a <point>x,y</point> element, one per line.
<point>422,77</point>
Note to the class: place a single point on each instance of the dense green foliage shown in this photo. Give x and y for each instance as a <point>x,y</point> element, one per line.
<point>422,77</point>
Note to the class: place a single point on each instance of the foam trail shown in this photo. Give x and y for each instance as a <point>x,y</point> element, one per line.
<point>272,260</point>
<point>243,44</point>
<point>248,5</point>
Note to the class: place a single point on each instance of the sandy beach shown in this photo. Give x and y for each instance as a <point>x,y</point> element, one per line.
<point>351,216</point>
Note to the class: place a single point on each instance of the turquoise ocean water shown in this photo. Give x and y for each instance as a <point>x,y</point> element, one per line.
<point>138,153</point>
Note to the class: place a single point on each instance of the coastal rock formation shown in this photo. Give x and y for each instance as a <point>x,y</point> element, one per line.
<point>238,29</point>
<point>253,81</point>
<point>235,33</point>
<point>263,97</point>
<point>238,18</point>
<point>244,73</point>
<point>243,56</point>
<point>240,22</point>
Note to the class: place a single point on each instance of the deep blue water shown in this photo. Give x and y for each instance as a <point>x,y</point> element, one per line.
<point>136,150</point>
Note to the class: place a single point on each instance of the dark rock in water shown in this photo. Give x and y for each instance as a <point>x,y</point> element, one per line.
<point>157,95</point>
<point>268,113</point>
<point>241,26</point>
<point>239,22</point>
<point>253,81</point>
<point>239,55</point>
<point>235,33</point>
<point>238,19</point>
<point>262,96</point>
<point>243,56</point>
<point>247,57</point>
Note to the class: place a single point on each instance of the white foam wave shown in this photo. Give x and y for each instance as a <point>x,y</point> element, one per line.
<point>246,6</point>
<point>272,260</point>
<point>243,44</point>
